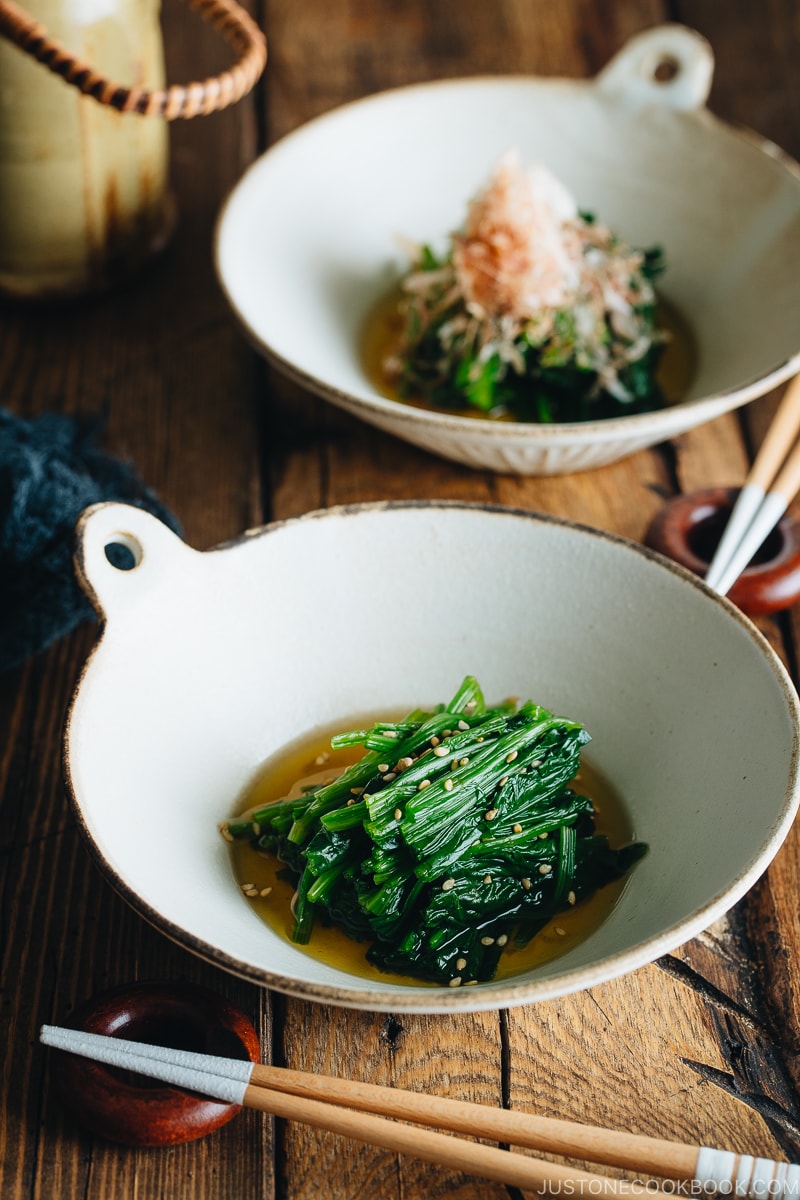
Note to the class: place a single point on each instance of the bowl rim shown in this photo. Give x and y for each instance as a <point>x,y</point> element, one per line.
<point>492,995</point>
<point>609,429</point>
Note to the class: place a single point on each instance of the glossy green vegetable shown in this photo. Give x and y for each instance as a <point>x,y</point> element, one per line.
<point>455,834</point>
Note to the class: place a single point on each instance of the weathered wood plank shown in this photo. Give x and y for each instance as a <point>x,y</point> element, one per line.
<point>457,1056</point>
<point>618,1055</point>
<point>164,364</point>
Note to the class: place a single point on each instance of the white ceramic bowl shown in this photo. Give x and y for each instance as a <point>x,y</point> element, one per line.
<point>309,239</point>
<point>211,662</point>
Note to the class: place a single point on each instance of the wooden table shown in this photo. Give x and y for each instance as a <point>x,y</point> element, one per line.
<point>703,1045</point>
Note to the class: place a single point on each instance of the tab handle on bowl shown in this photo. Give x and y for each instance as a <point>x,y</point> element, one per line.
<point>123,551</point>
<point>669,66</point>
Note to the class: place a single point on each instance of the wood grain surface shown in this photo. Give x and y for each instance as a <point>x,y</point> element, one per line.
<point>703,1045</point>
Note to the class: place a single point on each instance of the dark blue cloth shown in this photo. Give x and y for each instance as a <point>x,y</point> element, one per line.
<point>50,470</point>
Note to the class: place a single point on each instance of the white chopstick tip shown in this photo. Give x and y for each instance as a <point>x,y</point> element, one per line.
<point>769,514</point>
<point>55,1035</point>
<point>224,1079</point>
<point>748,502</point>
<point>771,485</point>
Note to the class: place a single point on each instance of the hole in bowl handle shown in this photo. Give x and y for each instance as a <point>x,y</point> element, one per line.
<point>121,552</point>
<point>670,66</point>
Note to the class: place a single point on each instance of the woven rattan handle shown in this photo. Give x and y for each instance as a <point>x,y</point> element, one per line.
<point>190,100</point>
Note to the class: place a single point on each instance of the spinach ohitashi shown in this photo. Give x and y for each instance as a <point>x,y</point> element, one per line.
<point>455,834</point>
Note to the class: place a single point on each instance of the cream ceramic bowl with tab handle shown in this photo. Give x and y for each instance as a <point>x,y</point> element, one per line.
<point>310,239</point>
<point>209,663</point>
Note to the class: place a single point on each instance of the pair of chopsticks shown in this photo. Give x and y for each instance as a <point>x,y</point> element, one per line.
<point>360,1111</point>
<point>768,490</point>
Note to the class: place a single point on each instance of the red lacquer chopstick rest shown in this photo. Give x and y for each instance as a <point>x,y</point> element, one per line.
<point>139,1112</point>
<point>688,530</point>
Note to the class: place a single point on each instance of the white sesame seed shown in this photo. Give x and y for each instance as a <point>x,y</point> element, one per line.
<point>455,982</point>
<point>517,828</point>
<point>356,791</point>
<point>265,891</point>
<point>490,815</point>
<point>544,836</point>
<point>448,787</point>
<point>447,733</point>
<point>390,733</point>
<point>454,765</point>
<point>487,941</point>
<point>487,879</point>
<point>462,725</point>
<point>248,887</point>
<point>463,762</point>
<point>424,783</point>
<point>561,932</point>
<point>570,897</point>
<point>526,883</point>
<point>389,776</point>
<point>511,756</point>
<point>383,767</point>
<point>322,758</point>
<point>435,741</point>
<point>501,941</point>
<point>350,802</point>
<point>403,763</point>
<point>226,833</point>
<point>462,962</point>
<point>503,781</point>
<point>537,762</point>
<point>545,868</point>
<point>397,814</point>
<point>468,707</point>
<point>441,751</point>
<point>470,983</point>
<point>448,884</point>
<point>480,739</point>
<point>256,827</point>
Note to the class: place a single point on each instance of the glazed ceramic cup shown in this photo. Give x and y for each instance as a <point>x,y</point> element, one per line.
<point>310,239</point>
<point>210,663</point>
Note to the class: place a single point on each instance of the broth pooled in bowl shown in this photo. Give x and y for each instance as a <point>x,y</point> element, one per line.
<point>467,843</point>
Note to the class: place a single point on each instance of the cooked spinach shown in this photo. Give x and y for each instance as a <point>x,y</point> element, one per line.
<point>454,835</point>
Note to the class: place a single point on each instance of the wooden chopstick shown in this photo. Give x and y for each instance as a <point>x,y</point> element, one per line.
<point>610,1147</point>
<point>768,490</point>
<point>228,1081</point>
<point>471,1158</point>
<point>318,1100</point>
